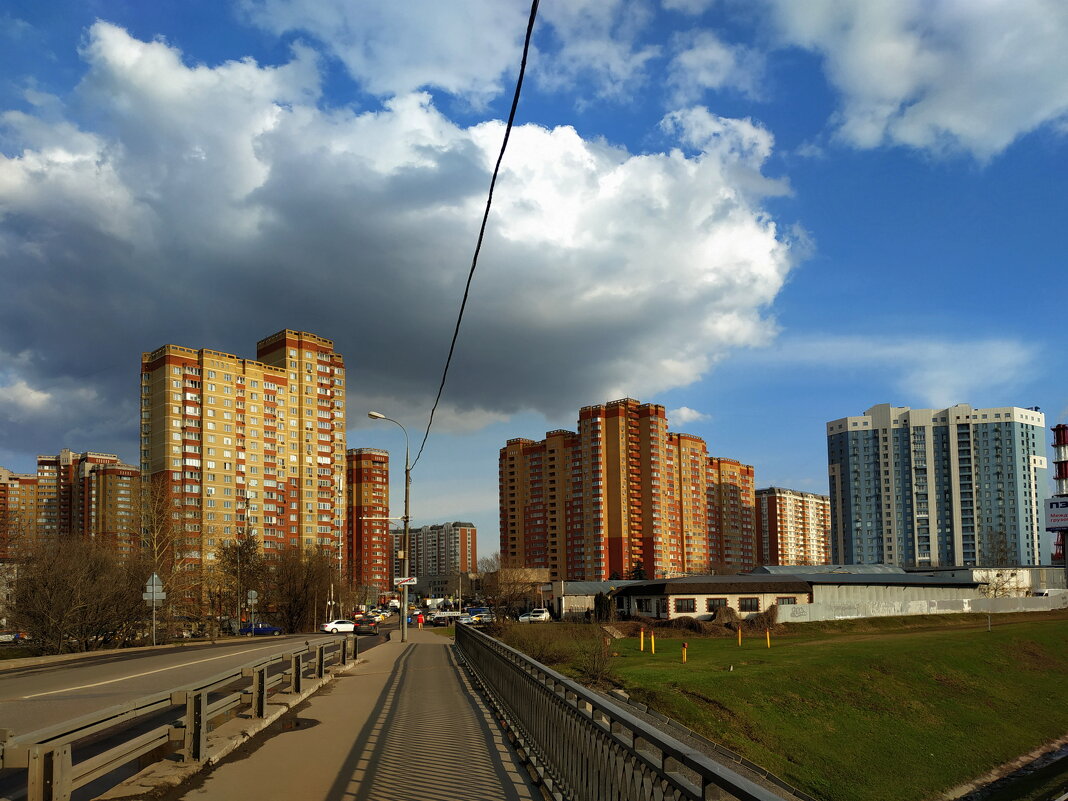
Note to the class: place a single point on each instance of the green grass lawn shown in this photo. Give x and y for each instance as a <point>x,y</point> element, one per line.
<point>887,716</point>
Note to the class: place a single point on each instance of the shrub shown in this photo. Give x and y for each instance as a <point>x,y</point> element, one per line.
<point>541,643</point>
<point>593,662</point>
<point>725,616</point>
<point>685,623</point>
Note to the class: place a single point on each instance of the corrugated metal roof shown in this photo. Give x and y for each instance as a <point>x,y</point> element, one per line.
<point>805,570</point>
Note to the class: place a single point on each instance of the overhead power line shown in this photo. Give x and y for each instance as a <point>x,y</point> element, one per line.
<point>482,228</point>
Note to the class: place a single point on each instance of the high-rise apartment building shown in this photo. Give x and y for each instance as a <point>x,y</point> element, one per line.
<point>86,494</point>
<point>441,549</point>
<point>622,496</point>
<point>732,514</point>
<point>954,486</point>
<point>18,510</point>
<point>793,527</point>
<point>368,542</point>
<point>248,447</point>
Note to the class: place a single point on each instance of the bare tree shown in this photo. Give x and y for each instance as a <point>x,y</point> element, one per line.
<point>169,552</point>
<point>73,594</point>
<point>509,590</point>
<point>240,568</point>
<point>296,581</point>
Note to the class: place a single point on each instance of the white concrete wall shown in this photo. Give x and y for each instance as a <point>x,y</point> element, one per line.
<point>805,613</point>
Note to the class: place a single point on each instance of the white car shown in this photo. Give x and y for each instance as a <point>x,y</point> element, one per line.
<point>535,616</point>
<point>338,626</point>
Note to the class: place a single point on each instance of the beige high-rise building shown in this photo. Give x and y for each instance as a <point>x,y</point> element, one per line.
<point>248,447</point>
<point>793,527</point>
<point>621,497</point>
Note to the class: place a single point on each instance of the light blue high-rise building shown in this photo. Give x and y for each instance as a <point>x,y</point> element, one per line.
<point>927,487</point>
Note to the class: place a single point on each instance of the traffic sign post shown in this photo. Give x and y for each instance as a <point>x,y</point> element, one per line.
<point>253,597</point>
<point>155,596</point>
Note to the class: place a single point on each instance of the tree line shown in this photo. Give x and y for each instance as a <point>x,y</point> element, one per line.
<point>79,593</point>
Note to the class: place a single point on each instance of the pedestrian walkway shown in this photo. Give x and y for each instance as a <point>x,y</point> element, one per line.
<point>404,725</point>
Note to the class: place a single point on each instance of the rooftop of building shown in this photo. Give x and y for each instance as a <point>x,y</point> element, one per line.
<point>805,493</point>
<point>782,570</point>
<point>711,585</point>
<point>594,587</point>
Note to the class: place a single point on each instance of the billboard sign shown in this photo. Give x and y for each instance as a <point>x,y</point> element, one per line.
<point>1057,513</point>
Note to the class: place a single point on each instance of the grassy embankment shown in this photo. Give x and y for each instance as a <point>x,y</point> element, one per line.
<point>878,710</point>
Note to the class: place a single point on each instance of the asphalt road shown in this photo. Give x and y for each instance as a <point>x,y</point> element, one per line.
<point>42,695</point>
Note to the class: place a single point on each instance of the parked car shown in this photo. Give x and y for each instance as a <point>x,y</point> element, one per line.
<point>465,619</point>
<point>366,625</point>
<point>260,629</point>
<point>338,626</point>
<point>11,637</point>
<point>484,617</point>
<point>535,616</point>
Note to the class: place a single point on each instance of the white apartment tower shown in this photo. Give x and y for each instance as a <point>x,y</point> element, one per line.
<point>927,487</point>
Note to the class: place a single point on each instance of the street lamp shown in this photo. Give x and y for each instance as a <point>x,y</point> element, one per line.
<point>407,522</point>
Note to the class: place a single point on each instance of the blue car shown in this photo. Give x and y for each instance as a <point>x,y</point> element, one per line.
<point>259,629</point>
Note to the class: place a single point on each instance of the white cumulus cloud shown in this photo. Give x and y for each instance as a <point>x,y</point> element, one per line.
<point>961,75</point>
<point>210,206</point>
<point>684,415</point>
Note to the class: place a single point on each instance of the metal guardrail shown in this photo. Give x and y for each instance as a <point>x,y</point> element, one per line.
<point>47,754</point>
<point>585,748</point>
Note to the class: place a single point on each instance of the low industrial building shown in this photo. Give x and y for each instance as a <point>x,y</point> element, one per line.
<point>700,596</point>
<point>823,592</point>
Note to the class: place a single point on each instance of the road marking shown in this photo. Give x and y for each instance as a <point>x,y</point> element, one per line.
<point>146,673</point>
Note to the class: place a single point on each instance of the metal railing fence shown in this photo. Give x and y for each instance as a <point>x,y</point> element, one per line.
<point>48,755</point>
<point>585,748</point>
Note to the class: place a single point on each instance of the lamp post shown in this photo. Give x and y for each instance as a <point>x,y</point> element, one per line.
<point>407,521</point>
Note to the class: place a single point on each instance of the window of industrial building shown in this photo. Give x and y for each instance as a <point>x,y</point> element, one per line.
<point>748,604</point>
<point>786,601</point>
<point>685,605</point>
<point>712,604</point>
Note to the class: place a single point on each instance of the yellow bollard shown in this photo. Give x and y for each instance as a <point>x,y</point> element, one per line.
<point>684,653</point>
<point>652,641</point>
<point>739,636</point>
<point>767,633</point>
<point>641,641</point>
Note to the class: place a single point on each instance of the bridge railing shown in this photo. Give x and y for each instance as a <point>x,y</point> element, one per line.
<point>182,716</point>
<point>585,748</point>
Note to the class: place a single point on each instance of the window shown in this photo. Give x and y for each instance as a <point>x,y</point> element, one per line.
<point>786,601</point>
<point>685,605</point>
<point>645,605</point>
<point>748,604</point>
<point>712,604</point>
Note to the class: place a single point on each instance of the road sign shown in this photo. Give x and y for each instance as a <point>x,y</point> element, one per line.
<point>404,582</point>
<point>154,593</point>
<point>252,597</point>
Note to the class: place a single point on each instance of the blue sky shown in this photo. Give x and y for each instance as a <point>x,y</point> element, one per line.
<point>763,215</point>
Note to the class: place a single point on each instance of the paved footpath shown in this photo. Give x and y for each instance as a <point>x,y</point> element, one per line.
<point>404,725</point>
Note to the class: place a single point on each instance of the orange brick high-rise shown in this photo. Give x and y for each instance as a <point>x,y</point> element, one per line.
<point>620,497</point>
<point>91,495</point>
<point>369,549</point>
<point>248,447</point>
